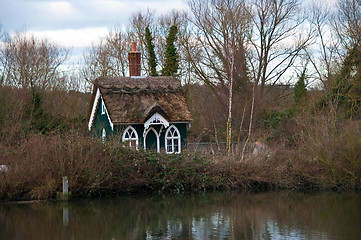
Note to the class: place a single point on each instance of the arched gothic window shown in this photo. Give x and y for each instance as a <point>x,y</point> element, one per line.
<point>172,140</point>
<point>130,138</point>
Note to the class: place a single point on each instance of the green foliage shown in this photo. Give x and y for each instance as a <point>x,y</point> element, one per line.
<point>171,56</point>
<point>152,60</point>
<point>300,88</point>
<point>39,120</point>
<point>344,88</point>
<point>35,102</point>
<point>272,120</point>
<point>300,92</point>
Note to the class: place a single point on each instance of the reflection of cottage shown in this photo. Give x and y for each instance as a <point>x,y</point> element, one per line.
<point>145,112</point>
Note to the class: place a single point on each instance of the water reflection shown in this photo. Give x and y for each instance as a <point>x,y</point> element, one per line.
<point>65,215</point>
<point>282,215</point>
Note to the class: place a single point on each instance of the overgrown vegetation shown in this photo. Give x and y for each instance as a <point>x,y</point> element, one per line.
<point>38,163</point>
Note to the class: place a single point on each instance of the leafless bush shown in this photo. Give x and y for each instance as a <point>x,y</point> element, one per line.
<point>335,146</point>
<point>38,164</point>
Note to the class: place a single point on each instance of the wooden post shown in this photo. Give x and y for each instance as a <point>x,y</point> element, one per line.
<point>65,189</point>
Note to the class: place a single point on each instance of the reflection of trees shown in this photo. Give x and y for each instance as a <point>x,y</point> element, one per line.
<point>207,216</point>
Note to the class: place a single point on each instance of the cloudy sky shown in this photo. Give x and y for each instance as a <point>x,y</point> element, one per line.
<point>75,23</point>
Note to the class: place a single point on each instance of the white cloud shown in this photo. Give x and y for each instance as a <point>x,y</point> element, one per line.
<point>59,9</point>
<point>110,5</point>
<point>162,6</point>
<point>49,14</point>
<point>75,23</point>
<point>73,37</point>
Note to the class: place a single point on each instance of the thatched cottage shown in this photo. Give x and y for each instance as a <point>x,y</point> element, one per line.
<point>143,112</point>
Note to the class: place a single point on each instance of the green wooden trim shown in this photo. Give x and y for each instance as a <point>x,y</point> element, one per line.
<point>102,121</point>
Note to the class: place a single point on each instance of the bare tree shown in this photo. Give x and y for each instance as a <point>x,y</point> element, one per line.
<point>109,58</point>
<point>278,37</point>
<point>32,62</point>
<point>138,22</point>
<point>323,53</point>
<point>319,19</point>
<point>337,33</point>
<point>221,27</point>
<point>347,23</point>
<point>3,59</point>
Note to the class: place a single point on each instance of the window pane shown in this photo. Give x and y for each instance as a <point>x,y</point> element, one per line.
<point>169,145</point>
<point>133,144</point>
<point>176,145</point>
<point>169,134</point>
<point>132,135</point>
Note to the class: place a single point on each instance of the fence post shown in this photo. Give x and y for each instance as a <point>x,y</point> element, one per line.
<point>65,189</point>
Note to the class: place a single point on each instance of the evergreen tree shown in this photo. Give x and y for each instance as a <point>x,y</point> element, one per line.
<point>299,93</point>
<point>152,60</point>
<point>345,86</point>
<point>300,88</point>
<point>171,56</point>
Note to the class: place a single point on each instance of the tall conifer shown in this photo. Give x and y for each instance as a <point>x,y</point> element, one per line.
<point>152,60</point>
<point>171,56</point>
<point>300,88</point>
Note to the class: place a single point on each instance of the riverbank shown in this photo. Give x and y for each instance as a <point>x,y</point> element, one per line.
<point>38,164</point>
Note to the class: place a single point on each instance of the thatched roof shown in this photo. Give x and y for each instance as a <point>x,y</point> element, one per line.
<point>135,99</point>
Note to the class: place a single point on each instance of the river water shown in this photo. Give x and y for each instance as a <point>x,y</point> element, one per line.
<point>272,215</point>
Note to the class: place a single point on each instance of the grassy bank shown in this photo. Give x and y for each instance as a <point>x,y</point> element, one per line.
<point>37,165</point>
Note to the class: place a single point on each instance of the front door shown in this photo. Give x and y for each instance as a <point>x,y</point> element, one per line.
<point>151,140</point>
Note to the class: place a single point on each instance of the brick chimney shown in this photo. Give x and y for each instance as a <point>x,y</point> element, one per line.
<point>134,61</point>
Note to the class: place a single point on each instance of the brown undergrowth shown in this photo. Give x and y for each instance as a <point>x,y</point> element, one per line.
<point>37,165</point>
<point>333,147</point>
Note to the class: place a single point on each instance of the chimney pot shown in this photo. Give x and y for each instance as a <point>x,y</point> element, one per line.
<point>134,46</point>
